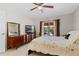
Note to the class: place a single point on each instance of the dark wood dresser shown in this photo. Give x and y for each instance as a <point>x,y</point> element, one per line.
<point>16,41</point>
<point>29,37</point>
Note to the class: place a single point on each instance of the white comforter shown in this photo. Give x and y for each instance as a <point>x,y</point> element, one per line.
<point>54,45</point>
<point>60,41</point>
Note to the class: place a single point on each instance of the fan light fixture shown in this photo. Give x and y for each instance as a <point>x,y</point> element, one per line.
<point>40,7</point>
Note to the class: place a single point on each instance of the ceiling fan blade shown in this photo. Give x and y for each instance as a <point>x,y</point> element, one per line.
<point>39,4</point>
<point>35,3</point>
<point>33,8</point>
<point>48,6</point>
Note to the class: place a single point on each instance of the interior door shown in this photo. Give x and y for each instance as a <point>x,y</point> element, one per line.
<point>2,33</point>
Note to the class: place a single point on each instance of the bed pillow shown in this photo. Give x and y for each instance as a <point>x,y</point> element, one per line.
<point>67,36</point>
<point>74,35</point>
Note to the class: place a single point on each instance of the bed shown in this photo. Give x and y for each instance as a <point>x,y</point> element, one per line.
<point>54,45</point>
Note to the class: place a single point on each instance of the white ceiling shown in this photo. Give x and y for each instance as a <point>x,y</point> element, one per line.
<point>23,9</point>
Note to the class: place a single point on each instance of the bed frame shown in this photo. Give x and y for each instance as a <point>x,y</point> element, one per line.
<point>41,54</point>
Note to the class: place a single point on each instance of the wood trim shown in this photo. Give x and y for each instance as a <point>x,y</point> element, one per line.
<point>12,22</point>
<point>7,35</point>
<point>58,27</point>
<point>18,29</point>
<point>40,28</point>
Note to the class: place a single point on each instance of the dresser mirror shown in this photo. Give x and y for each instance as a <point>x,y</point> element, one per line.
<point>13,29</point>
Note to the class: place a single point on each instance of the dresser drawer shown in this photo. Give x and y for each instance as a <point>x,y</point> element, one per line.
<point>16,41</point>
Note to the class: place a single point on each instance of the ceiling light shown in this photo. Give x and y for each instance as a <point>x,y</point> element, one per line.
<point>40,7</point>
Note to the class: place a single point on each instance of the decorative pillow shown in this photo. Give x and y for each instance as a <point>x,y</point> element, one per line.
<point>67,36</point>
<point>74,35</point>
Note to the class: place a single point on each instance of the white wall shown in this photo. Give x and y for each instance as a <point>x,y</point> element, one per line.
<point>76,19</point>
<point>66,23</point>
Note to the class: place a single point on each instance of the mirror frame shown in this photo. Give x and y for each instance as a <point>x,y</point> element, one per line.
<point>13,23</point>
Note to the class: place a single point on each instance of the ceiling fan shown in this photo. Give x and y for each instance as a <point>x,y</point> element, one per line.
<point>40,6</point>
